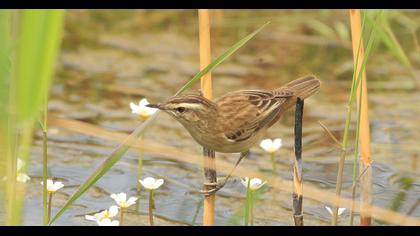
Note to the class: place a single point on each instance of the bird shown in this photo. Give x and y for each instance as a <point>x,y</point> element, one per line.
<point>237,120</point>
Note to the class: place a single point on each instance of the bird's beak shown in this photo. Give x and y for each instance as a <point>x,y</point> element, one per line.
<point>158,106</point>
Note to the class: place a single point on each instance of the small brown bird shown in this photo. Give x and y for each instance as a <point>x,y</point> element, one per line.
<point>238,120</point>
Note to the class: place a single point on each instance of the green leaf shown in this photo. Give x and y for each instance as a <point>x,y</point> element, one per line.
<point>122,148</point>
<point>37,46</point>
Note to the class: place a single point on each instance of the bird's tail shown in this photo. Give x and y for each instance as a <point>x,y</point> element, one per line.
<point>304,87</point>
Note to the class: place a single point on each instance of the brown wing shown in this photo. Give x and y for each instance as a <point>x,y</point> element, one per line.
<point>247,111</point>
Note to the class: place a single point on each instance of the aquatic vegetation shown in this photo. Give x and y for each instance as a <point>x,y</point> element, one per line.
<point>21,176</point>
<point>341,210</point>
<point>52,186</point>
<point>104,218</point>
<point>142,110</point>
<point>271,146</point>
<point>251,185</point>
<point>151,184</point>
<point>123,203</point>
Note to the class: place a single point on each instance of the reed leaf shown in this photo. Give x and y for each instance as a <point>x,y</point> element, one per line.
<point>37,44</point>
<point>357,77</point>
<point>122,148</point>
<point>36,53</point>
<point>7,160</point>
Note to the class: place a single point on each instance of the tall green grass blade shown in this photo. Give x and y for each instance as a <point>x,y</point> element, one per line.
<point>122,148</point>
<point>388,37</point>
<point>7,159</point>
<point>39,40</point>
<point>38,37</point>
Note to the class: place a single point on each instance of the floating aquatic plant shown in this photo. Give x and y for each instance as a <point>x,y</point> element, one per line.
<point>52,187</point>
<point>251,185</point>
<point>151,184</point>
<point>271,146</point>
<point>123,203</point>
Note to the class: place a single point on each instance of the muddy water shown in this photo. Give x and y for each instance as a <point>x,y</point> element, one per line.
<point>97,81</point>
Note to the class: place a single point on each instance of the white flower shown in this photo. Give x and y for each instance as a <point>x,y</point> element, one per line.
<point>106,214</point>
<point>122,201</point>
<point>21,176</point>
<point>53,187</point>
<point>270,145</point>
<point>108,222</point>
<point>254,183</point>
<point>340,210</point>
<point>151,183</point>
<point>142,109</point>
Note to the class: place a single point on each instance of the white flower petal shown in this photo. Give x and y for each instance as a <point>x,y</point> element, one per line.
<point>90,217</point>
<point>143,102</point>
<point>107,222</point>
<point>134,108</point>
<point>329,209</point>
<point>58,185</point>
<point>159,182</point>
<point>277,143</point>
<point>151,183</point>
<point>20,164</point>
<point>244,181</point>
<point>22,177</point>
<point>113,211</point>
<point>266,144</point>
<point>131,201</point>
<point>341,211</point>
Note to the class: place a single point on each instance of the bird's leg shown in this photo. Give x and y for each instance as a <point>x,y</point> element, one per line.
<point>218,187</point>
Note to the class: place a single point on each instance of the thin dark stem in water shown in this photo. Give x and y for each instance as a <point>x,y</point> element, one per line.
<point>151,207</point>
<point>297,196</point>
<point>49,206</point>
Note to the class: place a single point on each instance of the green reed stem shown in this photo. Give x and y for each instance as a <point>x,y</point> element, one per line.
<point>140,164</point>
<point>247,203</point>
<point>49,206</point>
<point>151,204</point>
<point>356,155</point>
<point>251,217</point>
<point>44,177</point>
<point>273,161</point>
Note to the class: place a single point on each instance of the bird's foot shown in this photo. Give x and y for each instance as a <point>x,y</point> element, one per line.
<point>211,188</point>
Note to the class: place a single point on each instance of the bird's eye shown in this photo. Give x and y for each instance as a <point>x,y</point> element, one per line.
<point>180,109</point>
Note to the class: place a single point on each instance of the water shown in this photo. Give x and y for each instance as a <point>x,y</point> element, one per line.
<point>99,76</point>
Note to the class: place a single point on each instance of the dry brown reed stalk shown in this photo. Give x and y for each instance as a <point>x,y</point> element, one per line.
<point>184,155</point>
<point>209,163</point>
<point>364,136</point>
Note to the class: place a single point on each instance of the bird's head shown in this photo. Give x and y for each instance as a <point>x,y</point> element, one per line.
<point>187,109</point>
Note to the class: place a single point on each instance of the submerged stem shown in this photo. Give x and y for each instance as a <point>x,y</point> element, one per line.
<point>49,206</point>
<point>252,208</point>
<point>44,176</point>
<point>140,163</point>
<point>122,215</point>
<point>273,162</point>
<point>247,204</point>
<point>151,207</point>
